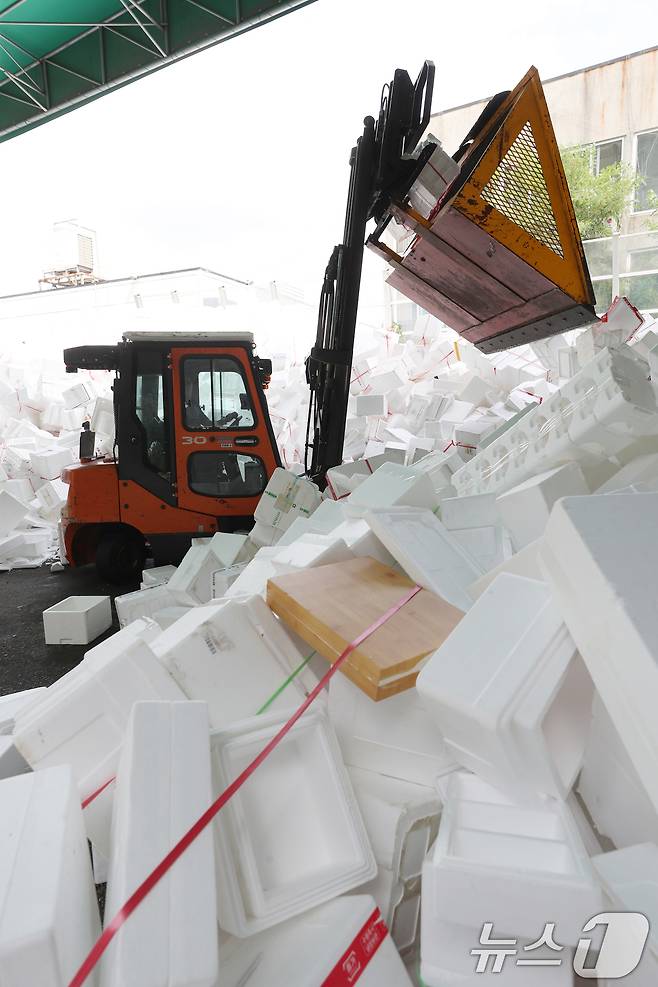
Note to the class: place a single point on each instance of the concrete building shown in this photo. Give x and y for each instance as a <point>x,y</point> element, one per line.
<point>612,106</point>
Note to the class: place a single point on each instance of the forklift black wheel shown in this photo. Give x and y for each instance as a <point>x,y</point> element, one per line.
<point>120,556</point>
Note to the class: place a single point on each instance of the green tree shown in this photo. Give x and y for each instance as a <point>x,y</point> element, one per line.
<point>598,200</point>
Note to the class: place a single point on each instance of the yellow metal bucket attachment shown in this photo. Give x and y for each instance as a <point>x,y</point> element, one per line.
<point>500,258</point>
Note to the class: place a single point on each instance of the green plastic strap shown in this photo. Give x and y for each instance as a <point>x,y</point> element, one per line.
<point>284,685</point>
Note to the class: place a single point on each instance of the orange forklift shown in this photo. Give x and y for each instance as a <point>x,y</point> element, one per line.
<point>499,259</point>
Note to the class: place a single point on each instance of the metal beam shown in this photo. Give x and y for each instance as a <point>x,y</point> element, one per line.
<point>213,13</point>
<point>131,11</point>
<point>23,88</point>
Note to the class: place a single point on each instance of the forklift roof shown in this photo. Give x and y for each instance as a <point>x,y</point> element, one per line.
<point>182,336</point>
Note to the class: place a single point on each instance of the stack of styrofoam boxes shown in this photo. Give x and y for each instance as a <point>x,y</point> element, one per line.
<point>285,498</point>
<point>498,868</point>
<point>82,718</point>
<point>603,412</point>
<point>402,820</point>
<point>40,421</point>
<point>513,700</point>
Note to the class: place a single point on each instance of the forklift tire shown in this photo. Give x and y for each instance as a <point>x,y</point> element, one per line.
<point>120,556</point>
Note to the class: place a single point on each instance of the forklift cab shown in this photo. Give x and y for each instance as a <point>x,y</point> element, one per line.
<point>194,448</point>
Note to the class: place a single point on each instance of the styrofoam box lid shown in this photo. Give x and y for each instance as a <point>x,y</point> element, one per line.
<point>292,837</point>
<point>303,951</point>
<point>630,877</point>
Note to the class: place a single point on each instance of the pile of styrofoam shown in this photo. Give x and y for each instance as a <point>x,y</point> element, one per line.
<point>41,416</point>
<point>463,795</point>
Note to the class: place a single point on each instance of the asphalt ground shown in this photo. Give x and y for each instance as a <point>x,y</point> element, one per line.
<point>26,661</point>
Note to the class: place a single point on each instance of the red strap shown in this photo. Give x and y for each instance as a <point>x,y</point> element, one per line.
<point>167,862</point>
<point>358,954</point>
<point>99,791</point>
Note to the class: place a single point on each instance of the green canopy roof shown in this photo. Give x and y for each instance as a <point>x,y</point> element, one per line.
<point>58,54</point>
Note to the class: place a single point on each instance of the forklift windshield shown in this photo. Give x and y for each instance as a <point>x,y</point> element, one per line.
<point>216,395</point>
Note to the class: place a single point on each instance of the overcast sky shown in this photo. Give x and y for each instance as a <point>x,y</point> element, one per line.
<point>237,158</point>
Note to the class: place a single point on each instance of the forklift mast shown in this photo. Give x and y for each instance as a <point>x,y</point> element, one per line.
<point>382,168</point>
<point>497,257</point>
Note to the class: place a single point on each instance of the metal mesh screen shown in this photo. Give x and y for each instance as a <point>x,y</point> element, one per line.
<point>517,189</point>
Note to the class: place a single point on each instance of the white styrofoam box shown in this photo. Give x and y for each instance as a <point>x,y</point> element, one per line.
<point>599,413</point>
<point>77,619</point>
<point>385,380</point>
<point>102,419</point>
<point>611,789</point>
<point>309,551</point>
<point>447,958</point>
<point>52,494</point>
<point>11,762</point>
<point>597,555</point>
<point>21,489</point>
<point>48,911</point>
<point>523,563</point>
<point>438,172</point>
<point>525,509</point>
<point>50,463</point>
<point>371,404</point>
<point>567,361</point>
<point>15,701</point>
<point>476,524</point>
<point>223,579</point>
<point>636,471</point>
<point>292,837</point>
<point>362,541</point>
<point>82,720</point>
<point>525,727</point>
<point>306,950</point>
<point>157,576</point>
<point>78,394</point>
<point>630,879</point>
<point>395,737</point>
<point>163,786</point>
<point>169,615</point>
<point>402,820</point>
<point>427,552</point>
<point>264,535</point>
<point>253,578</point>
<point>498,861</point>
<point>234,655</point>
<point>389,485</point>
<point>192,580</point>
<point>143,603</point>
<point>12,512</point>
<point>286,497</point>
<point>477,511</point>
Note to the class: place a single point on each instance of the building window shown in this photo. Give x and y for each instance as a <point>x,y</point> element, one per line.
<point>607,154</point>
<point>226,474</point>
<point>215,395</point>
<point>647,170</point>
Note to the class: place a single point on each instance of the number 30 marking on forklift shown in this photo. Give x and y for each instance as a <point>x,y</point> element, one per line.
<point>196,440</point>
